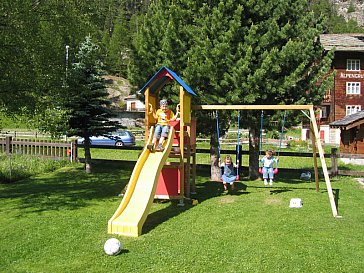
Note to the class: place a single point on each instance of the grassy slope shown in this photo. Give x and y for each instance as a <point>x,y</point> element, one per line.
<point>58,223</point>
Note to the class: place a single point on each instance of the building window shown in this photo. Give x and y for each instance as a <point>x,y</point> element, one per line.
<point>353,64</point>
<point>323,112</point>
<point>352,109</point>
<point>353,88</point>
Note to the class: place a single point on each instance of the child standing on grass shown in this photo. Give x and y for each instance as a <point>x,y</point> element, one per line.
<point>268,172</point>
<point>229,176</point>
<point>163,116</point>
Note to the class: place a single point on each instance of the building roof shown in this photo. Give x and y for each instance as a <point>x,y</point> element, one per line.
<point>343,42</point>
<point>163,77</point>
<point>349,122</point>
<point>131,97</point>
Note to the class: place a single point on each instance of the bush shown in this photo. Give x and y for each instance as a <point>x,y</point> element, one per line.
<point>273,134</point>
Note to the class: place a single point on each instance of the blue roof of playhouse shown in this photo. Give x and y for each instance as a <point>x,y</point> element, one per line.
<point>161,78</point>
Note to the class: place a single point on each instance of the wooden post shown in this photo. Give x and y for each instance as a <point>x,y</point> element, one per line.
<point>8,145</point>
<point>314,152</point>
<point>334,168</point>
<point>147,121</point>
<point>194,170</point>
<point>74,151</point>
<point>323,163</point>
<point>188,163</point>
<point>182,146</point>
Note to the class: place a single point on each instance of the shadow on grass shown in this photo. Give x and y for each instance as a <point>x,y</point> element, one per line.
<point>158,217</point>
<point>72,188</point>
<point>205,190</point>
<point>285,181</point>
<point>68,188</point>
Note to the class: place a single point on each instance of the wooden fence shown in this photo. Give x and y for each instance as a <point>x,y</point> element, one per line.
<point>334,163</point>
<point>334,156</point>
<point>43,148</point>
<point>68,150</point>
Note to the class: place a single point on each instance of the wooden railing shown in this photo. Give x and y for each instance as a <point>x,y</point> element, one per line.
<point>43,148</point>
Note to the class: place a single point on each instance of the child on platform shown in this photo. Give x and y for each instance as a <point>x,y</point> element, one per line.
<point>229,176</point>
<point>268,172</point>
<point>162,116</point>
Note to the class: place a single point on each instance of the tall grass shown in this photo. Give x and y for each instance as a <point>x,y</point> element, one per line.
<point>16,167</point>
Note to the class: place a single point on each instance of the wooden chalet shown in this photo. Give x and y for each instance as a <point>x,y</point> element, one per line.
<point>347,95</point>
<point>352,133</point>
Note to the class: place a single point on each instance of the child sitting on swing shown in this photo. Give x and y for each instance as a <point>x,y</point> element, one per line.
<point>267,161</point>
<point>229,176</point>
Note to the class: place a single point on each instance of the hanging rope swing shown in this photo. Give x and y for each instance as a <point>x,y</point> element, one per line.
<point>238,147</point>
<point>261,139</point>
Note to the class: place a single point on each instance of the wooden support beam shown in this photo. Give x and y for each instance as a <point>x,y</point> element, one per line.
<point>314,150</point>
<point>182,145</point>
<point>252,107</point>
<point>323,164</point>
<point>147,121</point>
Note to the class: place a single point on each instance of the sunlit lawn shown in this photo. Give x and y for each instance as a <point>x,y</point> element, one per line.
<point>57,222</point>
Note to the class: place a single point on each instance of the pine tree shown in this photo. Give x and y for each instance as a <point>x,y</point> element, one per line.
<point>240,52</point>
<point>261,52</point>
<point>86,99</point>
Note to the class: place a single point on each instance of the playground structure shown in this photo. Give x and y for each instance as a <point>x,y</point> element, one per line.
<point>153,176</point>
<point>156,177</point>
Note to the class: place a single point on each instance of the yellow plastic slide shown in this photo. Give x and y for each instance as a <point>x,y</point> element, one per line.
<point>130,216</point>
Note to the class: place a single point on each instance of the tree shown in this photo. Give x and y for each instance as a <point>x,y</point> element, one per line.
<point>238,52</point>
<point>32,57</point>
<point>259,52</point>
<point>117,56</point>
<point>17,62</point>
<point>85,99</point>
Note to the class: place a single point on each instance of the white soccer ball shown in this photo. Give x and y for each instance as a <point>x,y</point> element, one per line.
<point>112,247</point>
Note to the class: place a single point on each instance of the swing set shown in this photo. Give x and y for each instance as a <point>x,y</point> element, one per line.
<point>316,144</point>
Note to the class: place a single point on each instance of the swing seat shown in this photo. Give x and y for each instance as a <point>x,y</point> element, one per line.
<point>236,179</point>
<point>275,171</point>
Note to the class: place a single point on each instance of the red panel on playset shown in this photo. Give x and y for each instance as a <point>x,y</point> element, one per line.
<point>168,183</point>
<point>176,125</point>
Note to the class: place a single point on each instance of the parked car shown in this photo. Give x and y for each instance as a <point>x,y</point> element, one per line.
<point>118,138</point>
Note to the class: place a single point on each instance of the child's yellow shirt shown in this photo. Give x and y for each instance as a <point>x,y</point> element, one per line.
<point>163,118</point>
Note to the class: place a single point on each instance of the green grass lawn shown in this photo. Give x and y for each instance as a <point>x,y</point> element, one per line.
<point>57,222</point>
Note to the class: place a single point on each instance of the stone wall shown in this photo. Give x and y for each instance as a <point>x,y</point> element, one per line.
<point>131,119</point>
